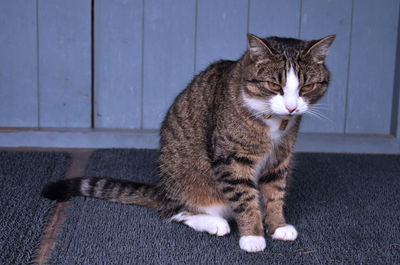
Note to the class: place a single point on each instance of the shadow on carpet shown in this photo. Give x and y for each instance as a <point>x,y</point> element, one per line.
<point>345,207</point>
<point>24,213</point>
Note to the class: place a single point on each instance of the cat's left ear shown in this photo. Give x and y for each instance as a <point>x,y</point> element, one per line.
<point>318,49</point>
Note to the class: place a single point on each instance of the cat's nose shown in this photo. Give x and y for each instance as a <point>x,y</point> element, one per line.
<point>290,108</point>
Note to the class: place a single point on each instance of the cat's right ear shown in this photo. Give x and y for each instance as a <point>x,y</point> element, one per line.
<point>258,47</point>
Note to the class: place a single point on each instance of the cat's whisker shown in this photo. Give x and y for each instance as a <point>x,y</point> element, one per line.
<point>259,114</point>
<point>318,112</point>
<point>314,113</point>
<point>254,117</point>
<point>321,106</point>
<point>314,116</point>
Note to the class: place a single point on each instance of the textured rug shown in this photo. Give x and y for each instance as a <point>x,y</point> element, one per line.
<point>24,213</point>
<point>346,209</point>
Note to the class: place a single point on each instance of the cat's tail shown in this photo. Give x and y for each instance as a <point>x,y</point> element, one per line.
<point>114,190</point>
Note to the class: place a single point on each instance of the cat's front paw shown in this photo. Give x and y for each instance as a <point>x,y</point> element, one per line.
<point>252,243</point>
<point>285,233</point>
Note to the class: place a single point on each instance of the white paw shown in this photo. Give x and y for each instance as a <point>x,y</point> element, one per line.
<point>285,233</point>
<point>206,223</point>
<point>252,243</point>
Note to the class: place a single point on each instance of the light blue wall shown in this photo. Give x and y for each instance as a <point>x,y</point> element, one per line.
<point>118,60</point>
<point>109,65</point>
<point>19,101</point>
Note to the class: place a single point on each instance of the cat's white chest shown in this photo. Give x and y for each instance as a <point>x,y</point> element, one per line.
<point>275,132</point>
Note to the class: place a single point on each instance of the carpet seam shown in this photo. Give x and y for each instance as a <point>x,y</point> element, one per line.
<point>79,161</point>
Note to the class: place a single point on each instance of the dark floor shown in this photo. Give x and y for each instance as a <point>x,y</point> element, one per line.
<point>78,163</point>
<point>346,208</point>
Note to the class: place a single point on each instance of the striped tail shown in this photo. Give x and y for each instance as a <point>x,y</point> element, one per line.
<point>114,190</point>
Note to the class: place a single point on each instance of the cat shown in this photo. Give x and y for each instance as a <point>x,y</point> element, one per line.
<point>226,143</point>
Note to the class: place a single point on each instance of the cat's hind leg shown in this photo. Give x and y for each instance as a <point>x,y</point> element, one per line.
<point>211,224</point>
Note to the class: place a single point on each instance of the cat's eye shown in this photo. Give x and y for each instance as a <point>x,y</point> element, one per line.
<point>274,87</point>
<point>307,88</point>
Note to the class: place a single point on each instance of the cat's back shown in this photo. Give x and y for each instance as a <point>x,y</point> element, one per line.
<point>215,75</point>
<point>211,82</point>
<point>193,109</point>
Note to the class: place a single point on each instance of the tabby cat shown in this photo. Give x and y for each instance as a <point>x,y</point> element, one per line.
<point>227,142</point>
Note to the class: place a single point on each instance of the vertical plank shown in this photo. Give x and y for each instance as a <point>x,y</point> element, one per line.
<point>118,63</point>
<point>221,31</point>
<point>274,18</point>
<point>372,61</point>
<point>18,66</point>
<point>319,19</point>
<point>168,64</point>
<point>395,127</point>
<point>65,63</point>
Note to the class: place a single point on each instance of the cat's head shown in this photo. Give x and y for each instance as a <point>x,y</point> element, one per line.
<point>284,76</point>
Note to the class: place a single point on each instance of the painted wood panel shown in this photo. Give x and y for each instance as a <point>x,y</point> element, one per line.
<point>47,67</point>
<point>372,61</point>
<point>274,18</point>
<point>395,126</point>
<point>65,63</point>
<point>18,64</point>
<point>168,55</point>
<point>118,63</point>
<point>221,31</point>
<point>320,19</point>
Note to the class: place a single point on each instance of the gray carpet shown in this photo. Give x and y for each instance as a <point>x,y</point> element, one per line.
<point>345,207</point>
<point>23,212</point>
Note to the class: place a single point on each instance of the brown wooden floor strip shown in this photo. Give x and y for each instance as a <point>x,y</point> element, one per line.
<point>79,161</point>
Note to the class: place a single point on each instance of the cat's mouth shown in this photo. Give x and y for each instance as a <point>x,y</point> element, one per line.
<point>288,116</point>
<point>283,117</point>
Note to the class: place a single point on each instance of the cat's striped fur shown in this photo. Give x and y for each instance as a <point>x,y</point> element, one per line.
<point>225,144</point>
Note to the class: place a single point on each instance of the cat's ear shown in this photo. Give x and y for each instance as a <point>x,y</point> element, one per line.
<point>318,49</point>
<point>257,46</point>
